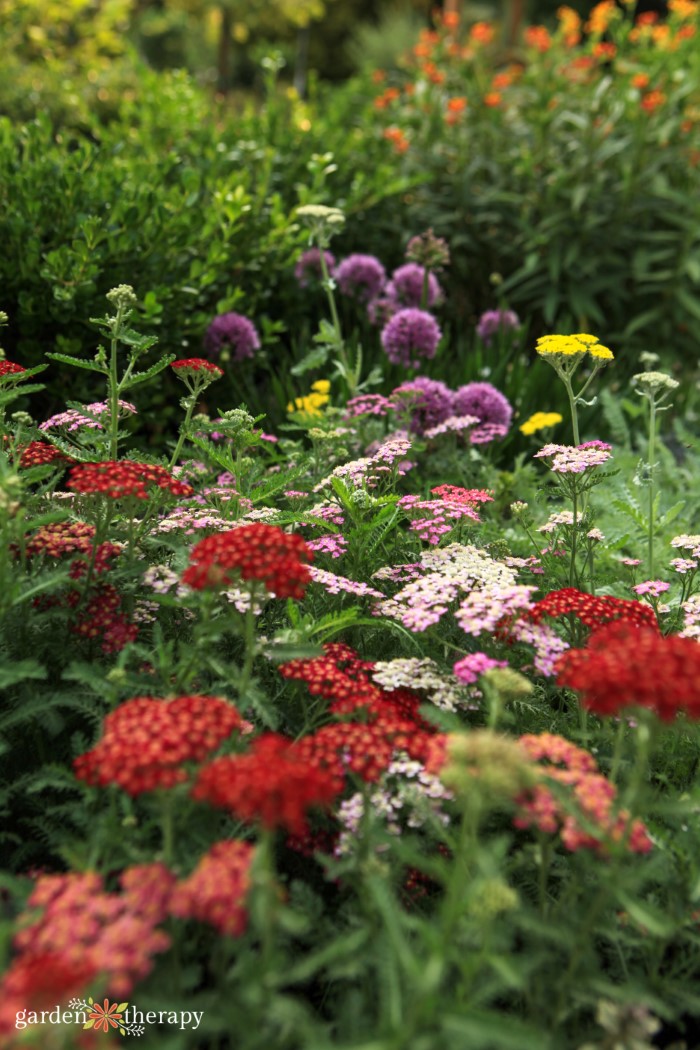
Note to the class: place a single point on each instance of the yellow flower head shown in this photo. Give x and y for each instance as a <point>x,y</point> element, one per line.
<point>312,403</point>
<point>540,421</point>
<point>573,345</point>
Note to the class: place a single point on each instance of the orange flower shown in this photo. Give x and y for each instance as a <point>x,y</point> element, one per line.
<point>379,76</point>
<point>493,99</point>
<point>434,75</point>
<point>398,138</point>
<point>422,50</point>
<point>686,33</point>
<point>647,18</point>
<point>652,100</point>
<point>450,20</point>
<point>601,17</point>
<point>502,80</point>
<point>481,33</point>
<point>456,105</point>
<point>538,37</point>
<point>640,81</point>
<point>569,25</point>
<point>605,51</point>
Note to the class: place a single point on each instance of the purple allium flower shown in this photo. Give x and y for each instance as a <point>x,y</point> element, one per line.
<point>429,400</point>
<point>410,335</point>
<point>483,401</point>
<point>494,321</point>
<point>233,333</point>
<point>361,277</point>
<point>381,310</point>
<point>308,266</point>
<point>407,286</point>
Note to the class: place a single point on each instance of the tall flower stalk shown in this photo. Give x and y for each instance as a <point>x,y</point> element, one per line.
<point>565,353</point>
<point>655,387</point>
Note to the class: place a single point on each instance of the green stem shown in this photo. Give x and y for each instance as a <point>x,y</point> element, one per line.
<point>113,379</point>
<point>183,429</point>
<point>572,406</point>
<point>617,750</point>
<point>652,454</point>
<point>574,540</point>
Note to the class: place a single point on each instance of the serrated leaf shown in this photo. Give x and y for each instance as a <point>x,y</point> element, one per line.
<point>78,362</point>
<point>314,359</point>
<point>141,377</point>
<point>672,513</point>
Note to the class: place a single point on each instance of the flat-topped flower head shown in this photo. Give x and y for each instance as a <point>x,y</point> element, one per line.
<point>540,421</point>
<point>196,368</point>
<point>120,479</point>
<point>251,552</point>
<point>10,368</point>
<point>573,346</point>
<point>575,459</point>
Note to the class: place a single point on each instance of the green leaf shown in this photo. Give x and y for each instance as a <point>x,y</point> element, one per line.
<point>141,377</point>
<point>648,917</point>
<point>493,1031</point>
<point>78,362</point>
<point>672,513</point>
<point>10,674</point>
<point>314,359</point>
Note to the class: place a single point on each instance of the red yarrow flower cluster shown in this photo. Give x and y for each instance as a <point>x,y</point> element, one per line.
<point>593,799</point>
<point>108,932</point>
<point>69,537</point>
<point>196,367</point>
<point>102,616</point>
<point>216,890</point>
<point>590,609</point>
<point>37,980</point>
<point>146,742</point>
<point>119,479</point>
<point>251,552</point>
<point>626,666</point>
<point>273,784</point>
<point>10,368</point>
<point>339,675</point>
<point>38,453</point>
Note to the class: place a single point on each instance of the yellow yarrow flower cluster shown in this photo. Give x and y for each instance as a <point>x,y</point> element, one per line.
<point>540,421</point>
<point>312,403</point>
<point>573,345</point>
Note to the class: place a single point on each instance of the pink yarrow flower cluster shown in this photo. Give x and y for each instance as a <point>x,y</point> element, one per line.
<point>575,459</point>
<point>72,419</point>
<point>432,519</point>
<point>470,668</point>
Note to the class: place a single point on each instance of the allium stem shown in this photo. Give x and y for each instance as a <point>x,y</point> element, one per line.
<point>114,386</point>
<point>350,375</point>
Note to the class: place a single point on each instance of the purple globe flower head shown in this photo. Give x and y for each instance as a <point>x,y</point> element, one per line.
<point>360,277</point>
<point>429,400</point>
<point>308,266</point>
<point>407,285</point>
<point>381,310</point>
<point>231,335</point>
<point>482,400</point>
<point>494,321</point>
<point>410,335</point>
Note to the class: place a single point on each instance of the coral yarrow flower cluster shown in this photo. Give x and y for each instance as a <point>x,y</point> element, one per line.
<point>251,552</point>
<point>146,742</point>
<point>120,479</point>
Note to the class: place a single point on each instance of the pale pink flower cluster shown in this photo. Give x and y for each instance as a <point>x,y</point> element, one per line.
<point>691,618</point>
<point>368,405</point>
<point>390,457</point>
<point>544,640</point>
<point>555,521</point>
<point>448,572</point>
<point>484,609</point>
<point>452,425</point>
<point>531,564</point>
<point>575,459</point>
<point>683,565</point>
<point>186,520</point>
<point>72,419</point>
<point>485,433</point>
<point>434,518</point>
<point>162,580</point>
<point>327,511</point>
<point>337,584</point>
<point>334,544</point>
<point>685,542</point>
<point>410,570</point>
<point>423,675</point>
